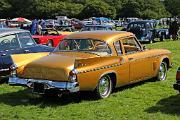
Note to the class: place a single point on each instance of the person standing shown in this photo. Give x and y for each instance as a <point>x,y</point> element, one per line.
<point>39,28</point>
<point>43,24</point>
<point>174,27</point>
<point>34,27</point>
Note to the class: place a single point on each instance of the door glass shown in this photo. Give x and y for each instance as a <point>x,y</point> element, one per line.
<point>130,45</point>
<point>9,42</point>
<point>117,46</point>
<point>25,40</point>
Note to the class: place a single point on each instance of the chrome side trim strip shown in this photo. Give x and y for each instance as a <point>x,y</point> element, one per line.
<point>3,70</point>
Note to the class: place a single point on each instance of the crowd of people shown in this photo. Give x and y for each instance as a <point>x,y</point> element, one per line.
<point>36,26</point>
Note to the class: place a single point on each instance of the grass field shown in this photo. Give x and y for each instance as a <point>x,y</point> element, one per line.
<point>148,100</point>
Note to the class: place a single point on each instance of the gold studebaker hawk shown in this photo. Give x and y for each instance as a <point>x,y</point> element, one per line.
<point>96,61</point>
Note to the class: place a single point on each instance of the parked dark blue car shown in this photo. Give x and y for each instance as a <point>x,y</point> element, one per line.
<point>16,41</point>
<point>145,31</point>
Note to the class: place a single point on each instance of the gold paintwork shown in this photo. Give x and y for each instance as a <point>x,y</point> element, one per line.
<point>21,60</point>
<point>127,69</point>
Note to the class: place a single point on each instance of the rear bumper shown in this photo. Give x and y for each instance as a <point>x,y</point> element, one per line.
<point>48,85</point>
<point>176,86</point>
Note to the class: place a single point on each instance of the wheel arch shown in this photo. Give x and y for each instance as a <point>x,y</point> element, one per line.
<point>166,60</point>
<point>112,75</point>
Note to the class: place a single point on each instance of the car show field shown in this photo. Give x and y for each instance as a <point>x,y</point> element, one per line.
<point>148,100</point>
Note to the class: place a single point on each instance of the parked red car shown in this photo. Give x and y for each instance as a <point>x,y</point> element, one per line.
<point>49,37</point>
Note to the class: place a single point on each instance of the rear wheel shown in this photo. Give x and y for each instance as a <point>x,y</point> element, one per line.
<point>104,87</point>
<point>162,73</point>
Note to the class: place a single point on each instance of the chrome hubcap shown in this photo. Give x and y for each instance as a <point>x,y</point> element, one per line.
<point>104,86</point>
<point>162,72</point>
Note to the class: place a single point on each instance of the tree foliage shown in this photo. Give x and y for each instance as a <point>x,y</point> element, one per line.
<point>98,8</point>
<point>88,8</point>
<point>173,7</point>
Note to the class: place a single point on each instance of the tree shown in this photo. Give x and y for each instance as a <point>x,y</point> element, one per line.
<point>173,7</point>
<point>144,9</point>
<point>88,8</point>
<point>97,8</point>
<point>131,8</point>
<point>4,8</point>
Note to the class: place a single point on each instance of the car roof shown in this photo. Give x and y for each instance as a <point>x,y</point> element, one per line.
<point>142,21</point>
<point>7,31</point>
<point>97,25</point>
<point>107,36</point>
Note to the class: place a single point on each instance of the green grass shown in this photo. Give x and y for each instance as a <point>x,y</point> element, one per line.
<point>147,100</point>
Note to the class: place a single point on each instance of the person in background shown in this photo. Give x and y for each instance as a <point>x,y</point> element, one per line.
<point>173,29</point>
<point>43,24</point>
<point>39,28</point>
<point>7,22</point>
<point>34,26</point>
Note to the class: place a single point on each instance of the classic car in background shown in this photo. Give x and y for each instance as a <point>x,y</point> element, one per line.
<point>145,31</point>
<point>49,37</point>
<point>16,41</point>
<point>176,86</point>
<point>96,61</point>
<point>96,27</point>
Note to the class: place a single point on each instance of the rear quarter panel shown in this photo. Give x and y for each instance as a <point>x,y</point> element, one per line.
<point>91,70</point>
<point>21,60</point>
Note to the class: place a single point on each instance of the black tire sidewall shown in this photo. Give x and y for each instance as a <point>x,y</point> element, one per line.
<point>96,91</point>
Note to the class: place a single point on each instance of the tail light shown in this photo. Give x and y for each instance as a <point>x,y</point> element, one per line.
<point>73,75</point>
<point>178,75</point>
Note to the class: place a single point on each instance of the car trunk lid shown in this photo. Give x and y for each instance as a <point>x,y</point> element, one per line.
<point>56,66</point>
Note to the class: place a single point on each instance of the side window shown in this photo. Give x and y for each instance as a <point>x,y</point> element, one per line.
<point>117,46</point>
<point>26,40</point>
<point>130,45</point>
<point>9,42</point>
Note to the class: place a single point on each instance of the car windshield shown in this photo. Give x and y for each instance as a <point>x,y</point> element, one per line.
<point>91,46</point>
<point>26,40</point>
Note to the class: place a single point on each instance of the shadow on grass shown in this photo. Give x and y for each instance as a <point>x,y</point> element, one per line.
<point>25,97</point>
<point>170,105</point>
<point>133,85</point>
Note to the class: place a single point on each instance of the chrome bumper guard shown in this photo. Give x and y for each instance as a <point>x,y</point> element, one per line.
<point>62,86</point>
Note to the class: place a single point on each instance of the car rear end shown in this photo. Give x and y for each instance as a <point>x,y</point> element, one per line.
<point>177,84</point>
<point>5,66</point>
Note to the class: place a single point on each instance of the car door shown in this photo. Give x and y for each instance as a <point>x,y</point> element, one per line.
<point>140,66</point>
<point>123,69</point>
